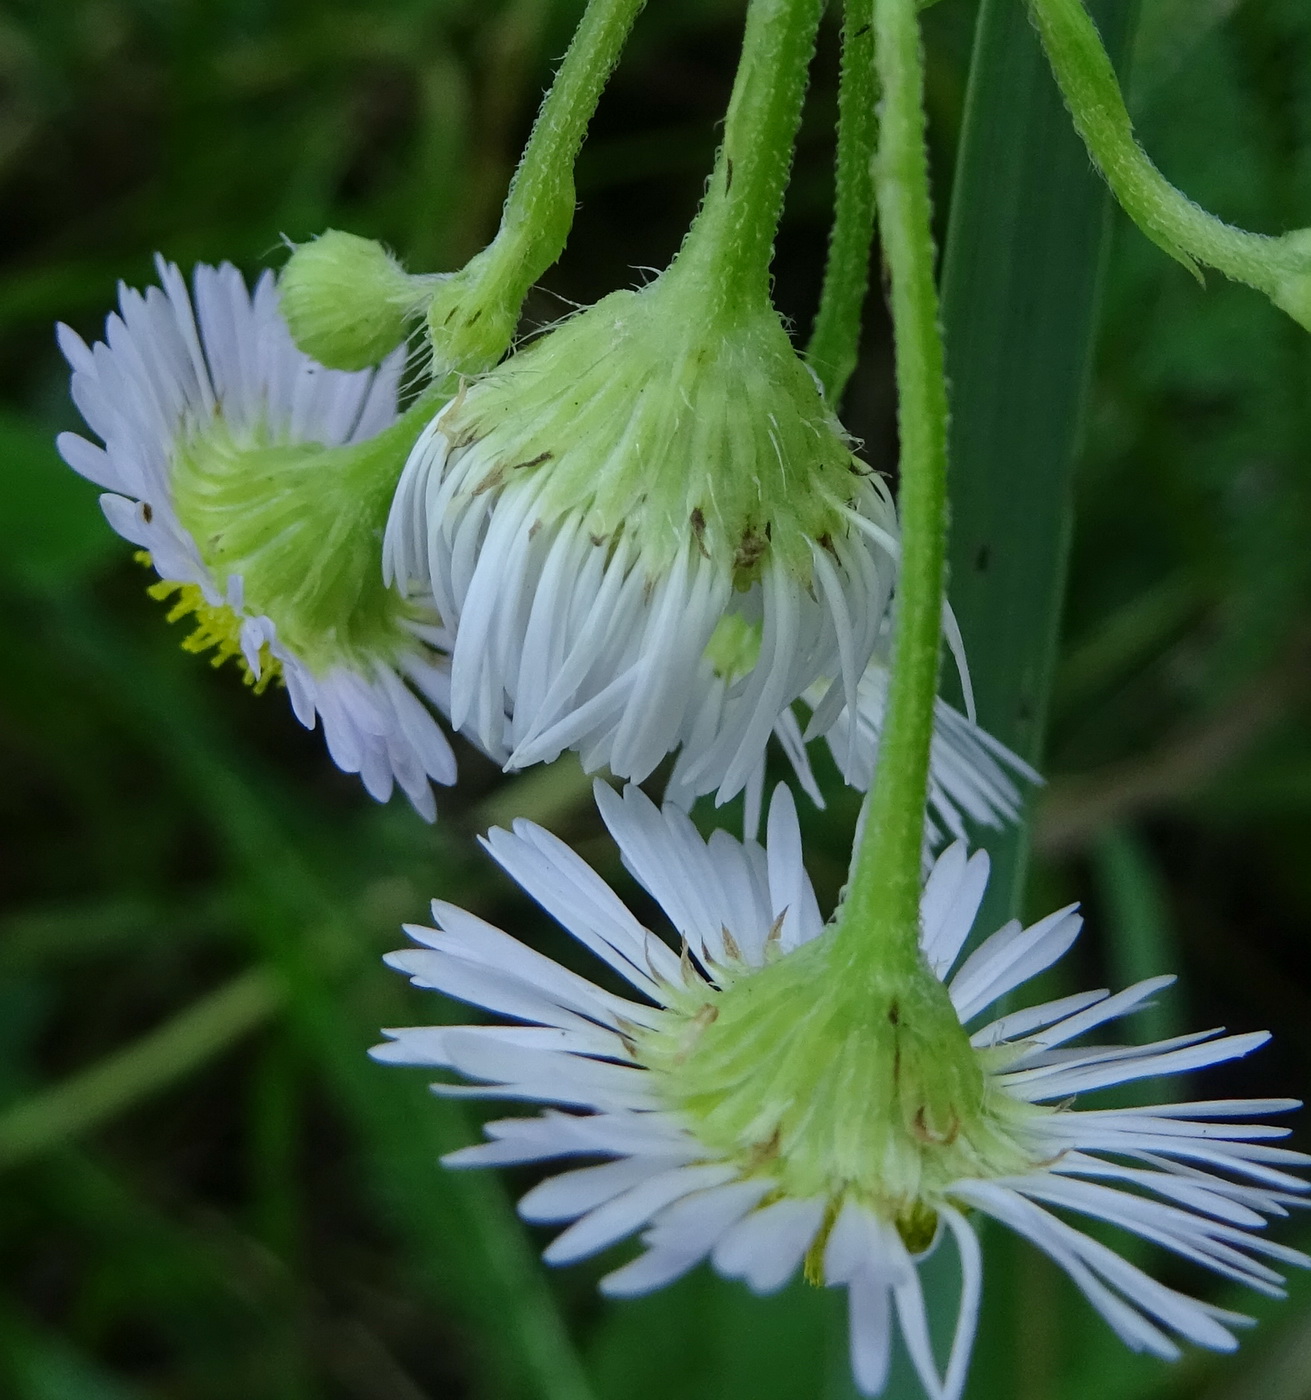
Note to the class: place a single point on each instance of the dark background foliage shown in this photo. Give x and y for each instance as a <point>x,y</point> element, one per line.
<point>209,1190</point>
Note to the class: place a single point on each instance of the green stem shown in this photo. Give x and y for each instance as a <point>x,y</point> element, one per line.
<point>1279,267</point>
<point>539,208</point>
<point>881,912</point>
<point>835,338</point>
<point>474,314</point>
<point>730,245</point>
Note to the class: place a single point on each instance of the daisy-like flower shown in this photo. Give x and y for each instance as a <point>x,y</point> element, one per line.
<point>591,514</point>
<point>256,484</point>
<point>770,1097</point>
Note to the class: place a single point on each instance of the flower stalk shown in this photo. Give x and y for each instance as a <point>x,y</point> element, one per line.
<point>474,313</point>
<point>880,916</point>
<point>727,252</point>
<point>1280,267</point>
<point>835,339</point>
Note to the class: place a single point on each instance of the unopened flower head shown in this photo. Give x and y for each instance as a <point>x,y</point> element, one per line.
<point>347,302</point>
<point>767,1102</point>
<point>596,516</point>
<point>256,483</point>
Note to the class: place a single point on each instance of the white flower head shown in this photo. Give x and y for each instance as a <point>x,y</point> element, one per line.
<point>257,482</point>
<point>754,1103</point>
<point>603,515</point>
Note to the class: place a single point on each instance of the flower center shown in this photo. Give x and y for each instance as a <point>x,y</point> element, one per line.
<point>837,1085</point>
<point>215,627</point>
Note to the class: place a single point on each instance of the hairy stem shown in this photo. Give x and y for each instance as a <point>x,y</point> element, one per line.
<point>880,918</point>
<point>730,245</point>
<point>835,339</point>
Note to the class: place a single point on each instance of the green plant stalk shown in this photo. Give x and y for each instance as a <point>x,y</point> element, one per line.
<point>730,245</point>
<point>835,339</point>
<point>539,207</point>
<point>473,315</point>
<point>880,917</point>
<point>1021,278</point>
<point>1278,266</point>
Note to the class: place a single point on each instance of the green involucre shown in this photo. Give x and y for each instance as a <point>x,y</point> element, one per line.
<point>302,525</point>
<point>835,1085</point>
<point>650,419</point>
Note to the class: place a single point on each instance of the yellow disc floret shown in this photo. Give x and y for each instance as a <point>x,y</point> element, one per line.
<point>216,628</point>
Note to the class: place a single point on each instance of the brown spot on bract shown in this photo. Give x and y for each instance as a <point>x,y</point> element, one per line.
<point>775,936</point>
<point>491,481</point>
<point>533,461</point>
<point>754,544</point>
<point>926,1133</point>
<point>894,1014</point>
<point>147,512</point>
<point>698,522</point>
<point>765,1151</point>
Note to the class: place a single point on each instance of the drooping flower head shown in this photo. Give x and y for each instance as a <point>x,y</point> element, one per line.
<point>609,517</point>
<point>256,483</point>
<point>762,1101</point>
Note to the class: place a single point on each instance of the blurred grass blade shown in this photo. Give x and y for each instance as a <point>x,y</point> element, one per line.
<point>1123,641</point>
<point>40,1365</point>
<point>51,528</point>
<point>1025,248</point>
<point>164,1055</point>
<point>1139,932</point>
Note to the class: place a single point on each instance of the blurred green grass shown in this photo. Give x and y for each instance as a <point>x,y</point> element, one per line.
<point>209,1191</point>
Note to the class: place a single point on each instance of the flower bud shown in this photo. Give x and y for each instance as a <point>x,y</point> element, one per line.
<point>347,302</point>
